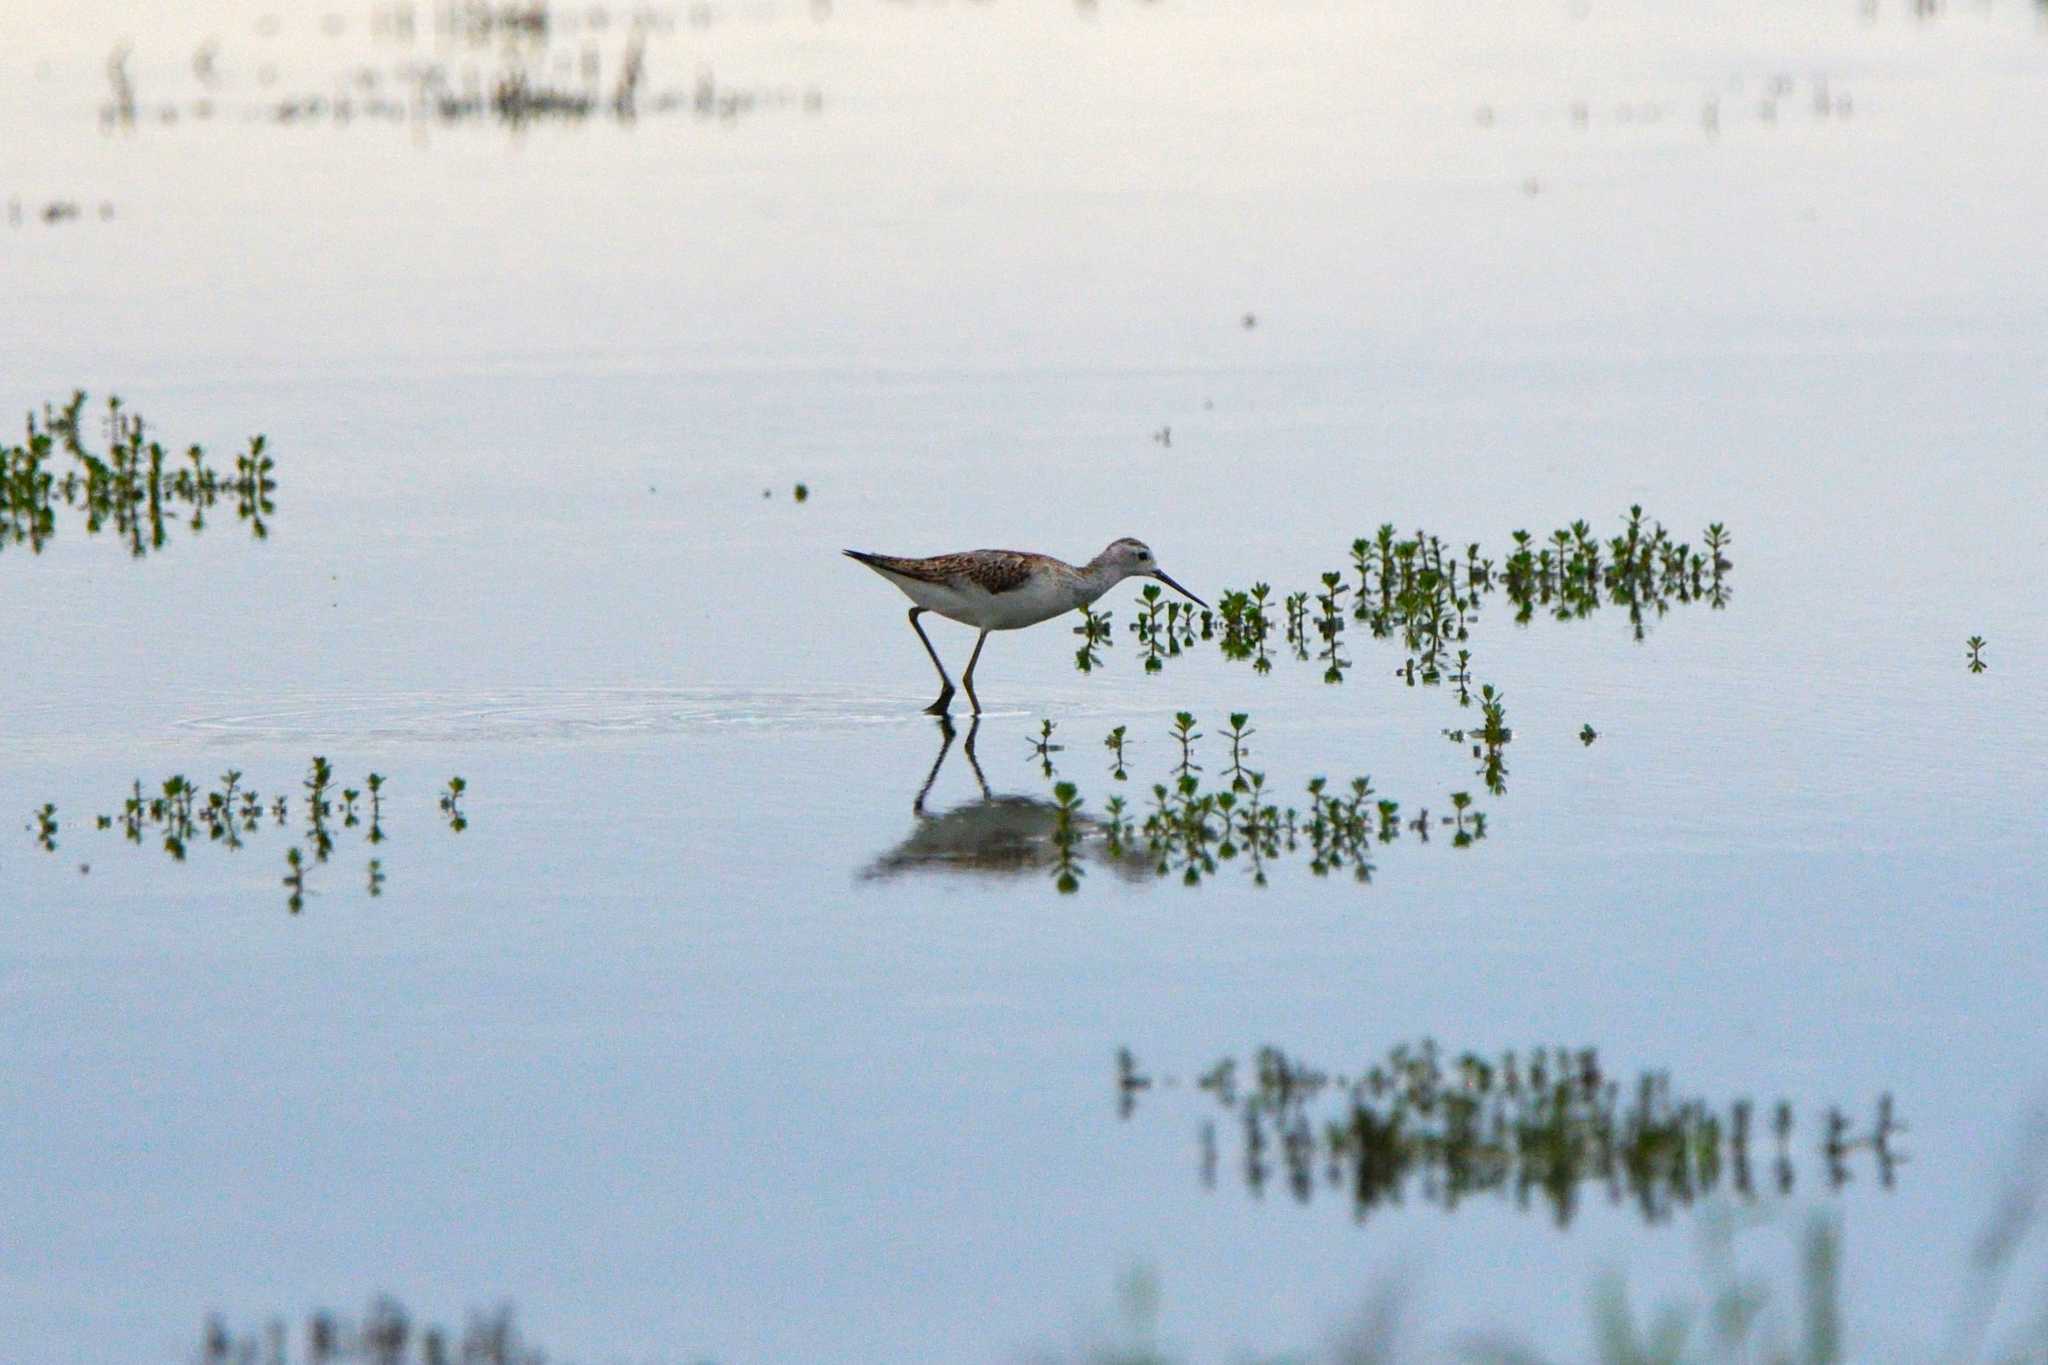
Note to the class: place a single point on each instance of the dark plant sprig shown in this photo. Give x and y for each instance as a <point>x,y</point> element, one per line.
<point>1185,734</point>
<point>1237,734</point>
<point>1190,830</point>
<point>177,812</point>
<point>1468,826</point>
<point>1043,746</point>
<point>451,804</point>
<point>1297,623</point>
<point>1096,635</point>
<point>1066,836</point>
<point>1150,627</point>
<point>319,780</point>
<point>1114,742</point>
<point>295,879</point>
<point>1549,1122</point>
<point>132,489</point>
<point>1247,626</point>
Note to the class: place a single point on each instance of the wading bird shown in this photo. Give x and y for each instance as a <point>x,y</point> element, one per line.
<point>1007,590</point>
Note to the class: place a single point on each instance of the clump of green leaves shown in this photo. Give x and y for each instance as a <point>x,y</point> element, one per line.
<point>1095,634</point>
<point>181,817</point>
<point>451,804</point>
<point>1427,596</point>
<point>1066,837</point>
<point>1044,748</point>
<point>1538,1127</point>
<point>1189,830</point>
<point>1247,626</point>
<point>132,488</point>
<point>1239,731</point>
<point>1114,742</point>
<point>1185,734</point>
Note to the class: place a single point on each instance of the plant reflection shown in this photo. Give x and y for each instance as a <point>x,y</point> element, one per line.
<point>386,1333</point>
<point>135,490</point>
<point>512,66</point>
<point>178,817</point>
<point>997,835</point>
<point>1188,830</point>
<point>1541,1128</point>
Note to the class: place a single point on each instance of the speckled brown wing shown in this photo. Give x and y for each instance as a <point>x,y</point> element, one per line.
<point>997,571</point>
<point>924,570</point>
<point>993,571</point>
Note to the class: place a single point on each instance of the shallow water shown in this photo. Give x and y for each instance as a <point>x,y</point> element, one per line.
<point>649,1048</point>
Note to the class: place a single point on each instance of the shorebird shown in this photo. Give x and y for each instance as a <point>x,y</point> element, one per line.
<point>1007,590</point>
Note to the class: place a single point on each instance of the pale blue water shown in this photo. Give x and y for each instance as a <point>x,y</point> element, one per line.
<point>641,1050</point>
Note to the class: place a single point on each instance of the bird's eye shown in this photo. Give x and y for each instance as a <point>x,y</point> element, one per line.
<point>1144,554</point>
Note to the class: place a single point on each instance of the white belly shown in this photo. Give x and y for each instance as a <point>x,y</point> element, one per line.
<point>1025,605</point>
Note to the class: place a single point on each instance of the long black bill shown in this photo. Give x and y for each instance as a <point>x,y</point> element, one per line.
<point>1179,589</point>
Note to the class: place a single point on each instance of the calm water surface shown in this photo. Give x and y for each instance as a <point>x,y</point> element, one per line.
<point>646,1048</point>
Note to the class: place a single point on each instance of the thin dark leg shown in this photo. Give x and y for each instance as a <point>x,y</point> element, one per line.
<point>937,708</point>
<point>967,678</point>
<point>945,746</point>
<point>972,727</point>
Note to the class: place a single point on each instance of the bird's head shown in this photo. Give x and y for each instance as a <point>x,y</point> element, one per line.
<point>1133,558</point>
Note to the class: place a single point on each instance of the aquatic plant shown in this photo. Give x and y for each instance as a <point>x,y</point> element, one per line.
<point>1185,734</point>
<point>1096,636</point>
<point>385,1333</point>
<point>1247,627</point>
<point>514,75</point>
<point>1547,1125</point>
<point>1044,748</point>
<point>133,489</point>
<point>295,879</point>
<point>1976,656</point>
<point>1065,837</point>
<point>451,804</point>
<point>1239,731</point>
<point>180,818</point>
<point>1114,742</point>
<point>1187,830</point>
<point>1421,592</point>
<point>1164,629</point>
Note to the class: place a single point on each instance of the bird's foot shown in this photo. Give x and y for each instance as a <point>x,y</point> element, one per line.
<point>942,705</point>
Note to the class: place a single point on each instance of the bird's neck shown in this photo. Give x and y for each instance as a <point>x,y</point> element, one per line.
<point>1093,579</point>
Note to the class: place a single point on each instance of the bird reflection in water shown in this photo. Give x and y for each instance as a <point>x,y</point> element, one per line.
<point>995,835</point>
